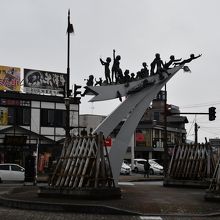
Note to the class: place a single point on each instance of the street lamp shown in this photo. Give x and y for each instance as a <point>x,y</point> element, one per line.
<point>67,88</point>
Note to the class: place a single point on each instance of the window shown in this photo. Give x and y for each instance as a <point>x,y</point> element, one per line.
<point>4,167</point>
<point>19,116</point>
<point>53,118</point>
<point>157,116</point>
<point>15,168</point>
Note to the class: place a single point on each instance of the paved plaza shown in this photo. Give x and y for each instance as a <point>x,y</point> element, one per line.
<point>139,198</point>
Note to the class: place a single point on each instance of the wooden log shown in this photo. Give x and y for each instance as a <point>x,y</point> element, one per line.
<point>58,166</point>
<point>70,158</point>
<point>97,165</point>
<point>77,162</point>
<point>87,162</point>
<point>80,174</point>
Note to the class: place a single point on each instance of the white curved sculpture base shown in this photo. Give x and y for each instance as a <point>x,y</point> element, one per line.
<point>139,96</point>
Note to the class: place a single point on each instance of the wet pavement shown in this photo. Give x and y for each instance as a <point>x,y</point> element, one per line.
<point>140,196</point>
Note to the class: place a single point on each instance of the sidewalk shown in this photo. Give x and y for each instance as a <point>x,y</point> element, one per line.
<point>137,199</point>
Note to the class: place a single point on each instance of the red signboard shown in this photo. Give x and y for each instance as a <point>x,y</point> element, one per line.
<point>108,142</point>
<point>140,137</point>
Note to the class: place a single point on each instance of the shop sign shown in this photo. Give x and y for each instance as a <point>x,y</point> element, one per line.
<point>140,137</point>
<point>43,82</point>
<point>108,142</point>
<point>10,78</point>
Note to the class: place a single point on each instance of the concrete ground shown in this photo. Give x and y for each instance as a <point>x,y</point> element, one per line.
<point>137,199</point>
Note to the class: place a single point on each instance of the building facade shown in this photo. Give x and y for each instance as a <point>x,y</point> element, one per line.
<point>31,122</point>
<point>150,133</point>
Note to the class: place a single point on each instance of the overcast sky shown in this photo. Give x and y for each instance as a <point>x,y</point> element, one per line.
<point>33,35</point>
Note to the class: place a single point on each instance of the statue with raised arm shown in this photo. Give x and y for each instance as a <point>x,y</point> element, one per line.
<point>192,57</point>
<point>116,71</point>
<point>107,70</point>
<point>171,61</point>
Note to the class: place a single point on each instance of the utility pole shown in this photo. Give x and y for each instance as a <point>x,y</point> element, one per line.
<point>165,134</point>
<point>196,133</point>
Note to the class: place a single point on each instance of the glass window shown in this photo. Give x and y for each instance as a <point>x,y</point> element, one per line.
<point>4,167</point>
<point>157,116</point>
<point>50,116</point>
<point>53,118</point>
<point>18,116</point>
<point>15,168</point>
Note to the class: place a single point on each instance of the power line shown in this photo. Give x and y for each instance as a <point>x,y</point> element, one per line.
<point>201,104</point>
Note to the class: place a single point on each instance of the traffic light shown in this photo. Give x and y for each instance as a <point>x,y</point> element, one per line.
<point>69,92</point>
<point>212,113</point>
<point>76,87</point>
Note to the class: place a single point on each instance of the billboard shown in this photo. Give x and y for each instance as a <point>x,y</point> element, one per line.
<point>43,82</point>
<point>10,78</point>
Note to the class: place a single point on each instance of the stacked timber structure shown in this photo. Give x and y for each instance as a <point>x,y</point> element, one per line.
<point>213,193</point>
<point>83,170</point>
<point>191,165</point>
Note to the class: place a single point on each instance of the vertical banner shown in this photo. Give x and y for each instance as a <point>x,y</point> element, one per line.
<point>10,78</point>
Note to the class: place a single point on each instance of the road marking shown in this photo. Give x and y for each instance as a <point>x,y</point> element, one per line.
<point>126,184</point>
<point>150,218</point>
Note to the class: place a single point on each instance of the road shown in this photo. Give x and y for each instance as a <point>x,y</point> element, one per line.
<point>18,214</point>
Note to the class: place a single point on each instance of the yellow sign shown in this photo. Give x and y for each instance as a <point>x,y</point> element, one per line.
<point>10,78</point>
<point>3,116</point>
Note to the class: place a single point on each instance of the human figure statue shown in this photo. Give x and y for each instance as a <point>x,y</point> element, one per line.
<point>107,70</point>
<point>126,77</point>
<point>138,75</point>
<point>144,70</point>
<point>192,57</point>
<point>116,71</point>
<point>98,82</point>
<point>89,82</point>
<point>132,77</point>
<point>146,168</point>
<point>158,63</point>
<point>171,61</point>
<point>152,67</point>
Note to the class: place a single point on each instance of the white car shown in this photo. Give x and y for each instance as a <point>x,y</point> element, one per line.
<point>125,169</point>
<point>11,172</point>
<point>155,168</point>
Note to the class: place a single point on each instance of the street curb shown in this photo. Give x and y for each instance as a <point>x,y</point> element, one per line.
<point>61,207</point>
<point>146,180</point>
<point>86,208</point>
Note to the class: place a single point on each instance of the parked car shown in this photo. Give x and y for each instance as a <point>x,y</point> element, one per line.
<point>11,172</point>
<point>125,169</point>
<point>155,168</point>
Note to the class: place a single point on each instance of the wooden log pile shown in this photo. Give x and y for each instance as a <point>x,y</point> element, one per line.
<point>84,163</point>
<point>215,183</point>
<point>192,162</point>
